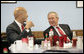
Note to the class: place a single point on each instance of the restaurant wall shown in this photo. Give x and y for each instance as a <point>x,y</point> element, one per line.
<point>38,10</point>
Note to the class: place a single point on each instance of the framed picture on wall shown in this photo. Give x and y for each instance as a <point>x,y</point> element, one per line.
<point>79,4</point>
<point>8,1</point>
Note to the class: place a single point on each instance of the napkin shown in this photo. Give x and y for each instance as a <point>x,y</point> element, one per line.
<point>67,45</point>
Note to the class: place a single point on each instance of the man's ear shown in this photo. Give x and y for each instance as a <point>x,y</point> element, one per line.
<point>57,18</point>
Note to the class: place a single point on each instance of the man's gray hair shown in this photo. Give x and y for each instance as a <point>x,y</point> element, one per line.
<point>54,13</point>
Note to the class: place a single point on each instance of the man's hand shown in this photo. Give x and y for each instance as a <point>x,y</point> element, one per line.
<point>29,24</point>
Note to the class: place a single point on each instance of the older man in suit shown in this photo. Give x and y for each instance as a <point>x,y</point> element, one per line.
<point>18,30</point>
<point>58,29</point>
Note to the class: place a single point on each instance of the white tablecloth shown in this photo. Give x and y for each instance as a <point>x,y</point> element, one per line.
<point>41,50</point>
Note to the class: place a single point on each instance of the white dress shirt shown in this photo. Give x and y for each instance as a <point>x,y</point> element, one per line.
<point>19,24</point>
<point>58,31</point>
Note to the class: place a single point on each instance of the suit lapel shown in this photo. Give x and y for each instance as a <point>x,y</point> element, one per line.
<point>17,27</point>
<point>64,28</point>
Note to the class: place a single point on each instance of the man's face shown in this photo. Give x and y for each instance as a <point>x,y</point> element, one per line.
<point>53,21</point>
<point>24,17</point>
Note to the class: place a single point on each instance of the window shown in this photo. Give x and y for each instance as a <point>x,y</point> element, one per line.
<point>79,4</point>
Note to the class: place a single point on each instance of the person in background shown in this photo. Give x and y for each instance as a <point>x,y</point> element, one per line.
<point>58,29</point>
<point>18,30</point>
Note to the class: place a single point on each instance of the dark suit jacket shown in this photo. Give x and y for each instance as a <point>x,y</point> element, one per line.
<point>14,33</point>
<point>65,28</point>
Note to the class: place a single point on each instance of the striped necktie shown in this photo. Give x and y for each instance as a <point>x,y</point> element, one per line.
<point>22,27</point>
<point>60,31</point>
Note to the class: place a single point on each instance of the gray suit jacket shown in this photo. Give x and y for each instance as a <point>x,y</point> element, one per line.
<point>14,33</point>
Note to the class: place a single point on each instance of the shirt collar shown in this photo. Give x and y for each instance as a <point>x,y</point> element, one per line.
<point>56,26</point>
<point>19,24</point>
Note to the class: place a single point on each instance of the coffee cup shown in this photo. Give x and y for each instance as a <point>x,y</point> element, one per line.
<point>18,44</point>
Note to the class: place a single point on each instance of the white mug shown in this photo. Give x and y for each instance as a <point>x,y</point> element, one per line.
<point>12,48</point>
<point>79,42</point>
<point>18,44</point>
<point>36,46</point>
